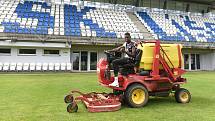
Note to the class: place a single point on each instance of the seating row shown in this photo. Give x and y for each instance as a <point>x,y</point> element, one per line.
<point>35,66</point>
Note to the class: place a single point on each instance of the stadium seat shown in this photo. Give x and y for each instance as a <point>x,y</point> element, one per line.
<point>19,66</point>
<point>63,66</point>
<point>12,66</point>
<point>45,66</point>
<point>57,66</point>
<point>1,66</point>
<point>51,66</point>
<point>26,67</point>
<point>32,67</point>
<point>39,67</point>
<point>6,66</point>
<point>68,66</point>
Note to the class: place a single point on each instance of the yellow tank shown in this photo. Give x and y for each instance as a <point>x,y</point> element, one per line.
<point>173,51</point>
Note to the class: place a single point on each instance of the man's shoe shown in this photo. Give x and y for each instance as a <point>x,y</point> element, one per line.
<point>114,84</point>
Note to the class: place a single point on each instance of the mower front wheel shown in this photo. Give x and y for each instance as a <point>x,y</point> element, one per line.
<point>136,96</point>
<point>182,95</point>
<point>72,107</point>
<point>69,98</point>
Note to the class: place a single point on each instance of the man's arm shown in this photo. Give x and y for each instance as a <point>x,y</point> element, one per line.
<point>116,49</point>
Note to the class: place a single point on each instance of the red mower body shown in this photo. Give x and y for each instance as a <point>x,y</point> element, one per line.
<point>154,82</point>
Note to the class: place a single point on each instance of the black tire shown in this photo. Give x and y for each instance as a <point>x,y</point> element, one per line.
<point>72,108</point>
<point>69,98</point>
<point>182,95</point>
<point>136,96</point>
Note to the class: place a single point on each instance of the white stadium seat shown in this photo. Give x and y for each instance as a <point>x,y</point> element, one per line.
<point>51,66</point>
<point>32,67</point>
<point>57,66</point>
<point>63,66</point>
<point>68,66</point>
<point>26,67</point>
<point>19,66</point>
<point>45,67</point>
<point>1,66</point>
<point>12,66</point>
<point>39,67</point>
<point>6,66</point>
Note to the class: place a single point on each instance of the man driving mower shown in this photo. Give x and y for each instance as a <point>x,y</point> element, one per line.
<point>129,50</point>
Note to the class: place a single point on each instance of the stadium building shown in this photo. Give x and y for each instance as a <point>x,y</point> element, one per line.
<point>54,35</point>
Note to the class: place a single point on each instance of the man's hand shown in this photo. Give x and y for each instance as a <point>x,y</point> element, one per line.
<point>106,51</point>
<point>122,50</point>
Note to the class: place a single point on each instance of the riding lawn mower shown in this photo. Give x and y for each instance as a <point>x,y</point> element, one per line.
<point>160,74</point>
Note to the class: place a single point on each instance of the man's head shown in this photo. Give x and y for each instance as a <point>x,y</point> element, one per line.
<point>127,37</point>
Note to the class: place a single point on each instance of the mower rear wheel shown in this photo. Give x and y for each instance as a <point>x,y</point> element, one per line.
<point>69,98</point>
<point>72,107</point>
<point>136,96</point>
<point>182,95</point>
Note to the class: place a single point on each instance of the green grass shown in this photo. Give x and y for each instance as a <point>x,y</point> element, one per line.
<point>39,97</point>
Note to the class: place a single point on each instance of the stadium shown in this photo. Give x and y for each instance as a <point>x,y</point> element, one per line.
<point>56,35</point>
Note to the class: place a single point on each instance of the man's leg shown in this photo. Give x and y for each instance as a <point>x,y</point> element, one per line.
<point>116,63</point>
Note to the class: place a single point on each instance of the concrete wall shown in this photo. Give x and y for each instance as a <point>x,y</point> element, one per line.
<point>39,57</point>
<point>64,55</point>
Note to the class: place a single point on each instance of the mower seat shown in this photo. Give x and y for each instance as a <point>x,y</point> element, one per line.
<point>138,57</point>
<point>127,69</point>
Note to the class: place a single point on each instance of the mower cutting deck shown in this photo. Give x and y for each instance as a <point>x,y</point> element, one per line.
<point>161,75</point>
<point>94,102</point>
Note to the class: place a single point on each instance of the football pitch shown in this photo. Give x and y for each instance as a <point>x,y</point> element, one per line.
<point>39,97</point>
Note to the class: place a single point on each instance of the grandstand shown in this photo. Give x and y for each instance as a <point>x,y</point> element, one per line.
<point>38,35</point>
